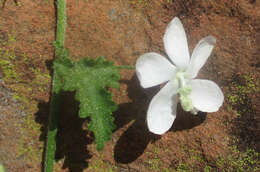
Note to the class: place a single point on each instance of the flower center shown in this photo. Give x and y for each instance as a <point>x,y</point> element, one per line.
<point>184,91</point>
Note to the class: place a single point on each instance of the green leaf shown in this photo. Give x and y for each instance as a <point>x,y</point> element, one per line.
<point>90,79</point>
<point>2,169</point>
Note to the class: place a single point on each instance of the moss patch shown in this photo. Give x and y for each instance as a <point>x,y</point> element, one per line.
<point>28,83</point>
<point>242,89</point>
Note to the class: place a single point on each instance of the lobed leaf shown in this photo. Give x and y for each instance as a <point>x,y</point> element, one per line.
<point>90,79</point>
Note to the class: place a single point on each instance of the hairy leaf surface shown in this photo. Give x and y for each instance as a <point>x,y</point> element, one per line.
<point>90,79</point>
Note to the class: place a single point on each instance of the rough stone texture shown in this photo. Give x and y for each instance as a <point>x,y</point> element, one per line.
<point>122,30</point>
<point>11,116</point>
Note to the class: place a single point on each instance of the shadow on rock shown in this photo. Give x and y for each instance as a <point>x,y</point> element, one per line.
<point>41,117</point>
<point>186,120</point>
<point>135,139</point>
<point>245,127</point>
<point>71,139</point>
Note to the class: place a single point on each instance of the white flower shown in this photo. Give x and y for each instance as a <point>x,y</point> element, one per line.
<point>195,94</point>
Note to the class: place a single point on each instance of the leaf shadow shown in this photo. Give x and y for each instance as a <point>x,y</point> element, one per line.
<point>133,142</point>
<point>72,139</point>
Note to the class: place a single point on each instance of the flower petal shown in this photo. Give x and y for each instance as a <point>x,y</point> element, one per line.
<point>206,95</point>
<point>175,43</point>
<point>153,69</point>
<point>162,109</point>
<point>200,55</point>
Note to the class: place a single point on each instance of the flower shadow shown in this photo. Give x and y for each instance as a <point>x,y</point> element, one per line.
<point>135,139</point>
<point>186,120</point>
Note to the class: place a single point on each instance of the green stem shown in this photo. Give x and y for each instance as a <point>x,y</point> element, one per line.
<point>52,132</point>
<point>61,22</point>
<point>126,67</point>
<point>55,98</point>
<point>2,169</point>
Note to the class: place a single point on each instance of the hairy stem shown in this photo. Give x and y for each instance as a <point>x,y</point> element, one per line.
<point>61,22</point>
<point>55,98</point>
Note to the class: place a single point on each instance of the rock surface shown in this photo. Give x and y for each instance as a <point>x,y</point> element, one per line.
<point>122,31</point>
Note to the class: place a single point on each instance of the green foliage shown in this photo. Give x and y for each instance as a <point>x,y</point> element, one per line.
<point>101,166</point>
<point>183,167</point>
<point>241,161</point>
<point>154,164</point>
<point>56,87</point>
<point>2,168</point>
<point>7,64</point>
<point>241,90</point>
<point>90,79</point>
<point>207,168</point>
